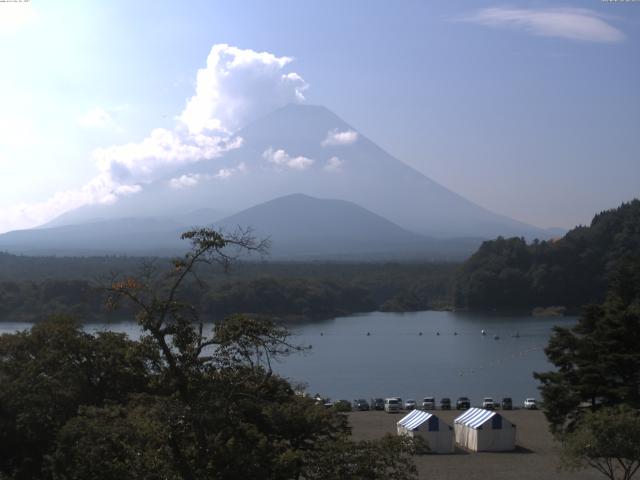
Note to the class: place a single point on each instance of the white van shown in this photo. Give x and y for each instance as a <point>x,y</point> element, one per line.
<point>392,405</point>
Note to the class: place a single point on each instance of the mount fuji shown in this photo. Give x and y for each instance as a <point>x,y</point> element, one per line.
<point>297,149</point>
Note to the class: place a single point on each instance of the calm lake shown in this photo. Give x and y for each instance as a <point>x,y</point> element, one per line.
<point>451,358</point>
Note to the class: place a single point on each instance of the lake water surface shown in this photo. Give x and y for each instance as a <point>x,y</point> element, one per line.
<point>451,357</point>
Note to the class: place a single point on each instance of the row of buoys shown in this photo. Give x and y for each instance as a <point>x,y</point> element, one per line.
<point>484,332</point>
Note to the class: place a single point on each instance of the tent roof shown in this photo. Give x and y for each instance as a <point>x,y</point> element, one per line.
<point>475,417</point>
<point>414,419</point>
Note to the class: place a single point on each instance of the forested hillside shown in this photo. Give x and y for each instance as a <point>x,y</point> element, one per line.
<point>571,271</point>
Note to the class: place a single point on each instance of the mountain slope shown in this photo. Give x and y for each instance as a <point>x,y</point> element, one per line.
<point>301,225</point>
<point>357,171</point>
<point>134,236</point>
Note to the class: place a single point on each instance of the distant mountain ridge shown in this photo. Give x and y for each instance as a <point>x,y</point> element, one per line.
<point>299,227</point>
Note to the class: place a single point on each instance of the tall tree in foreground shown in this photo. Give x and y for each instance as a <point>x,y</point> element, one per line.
<point>227,414</point>
<point>592,399</point>
<point>598,360</point>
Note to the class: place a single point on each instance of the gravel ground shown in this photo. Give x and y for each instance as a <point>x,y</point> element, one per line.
<point>536,455</point>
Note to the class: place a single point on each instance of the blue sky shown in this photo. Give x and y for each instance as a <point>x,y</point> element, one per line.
<point>531,109</point>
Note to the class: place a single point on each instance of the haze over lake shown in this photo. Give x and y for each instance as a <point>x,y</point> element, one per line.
<point>345,362</point>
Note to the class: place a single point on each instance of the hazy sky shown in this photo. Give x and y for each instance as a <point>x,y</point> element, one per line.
<point>531,109</point>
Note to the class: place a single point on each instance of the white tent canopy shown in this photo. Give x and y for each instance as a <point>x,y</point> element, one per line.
<point>484,430</point>
<point>438,435</point>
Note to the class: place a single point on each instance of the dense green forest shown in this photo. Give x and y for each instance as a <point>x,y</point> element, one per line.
<point>571,271</point>
<point>32,288</point>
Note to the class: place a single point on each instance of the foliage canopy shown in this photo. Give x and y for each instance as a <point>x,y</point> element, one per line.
<point>572,271</point>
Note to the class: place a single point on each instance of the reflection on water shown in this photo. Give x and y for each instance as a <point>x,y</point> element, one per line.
<point>411,355</point>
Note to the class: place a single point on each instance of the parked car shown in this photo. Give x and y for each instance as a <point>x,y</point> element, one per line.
<point>429,403</point>
<point>410,404</point>
<point>463,403</point>
<point>487,403</point>
<point>392,405</point>
<point>361,405</point>
<point>507,403</point>
<point>445,403</point>
<point>530,404</point>
<point>377,404</point>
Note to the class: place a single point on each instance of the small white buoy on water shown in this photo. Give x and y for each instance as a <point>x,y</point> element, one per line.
<point>484,332</point>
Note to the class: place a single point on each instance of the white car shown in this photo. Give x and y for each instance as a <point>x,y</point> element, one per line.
<point>487,403</point>
<point>392,405</point>
<point>530,404</point>
<point>410,404</point>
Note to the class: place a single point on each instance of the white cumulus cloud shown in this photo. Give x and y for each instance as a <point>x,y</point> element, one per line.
<point>228,172</point>
<point>238,85</point>
<point>334,165</point>
<point>160,153</point>
<point>335,138</point>
<point>184,181</point>
<point>192,179</point>
<point>283,159</point>
<point>570,23</point>
<point>235,86</point>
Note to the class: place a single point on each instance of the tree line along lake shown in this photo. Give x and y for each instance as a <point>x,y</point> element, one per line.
<point>411,355</point>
